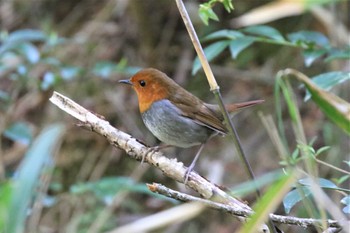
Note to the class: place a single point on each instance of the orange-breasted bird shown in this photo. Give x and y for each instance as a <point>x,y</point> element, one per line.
<point>174,115</point>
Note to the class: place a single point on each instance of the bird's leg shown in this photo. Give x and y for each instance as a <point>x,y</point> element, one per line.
<point>190,168</point>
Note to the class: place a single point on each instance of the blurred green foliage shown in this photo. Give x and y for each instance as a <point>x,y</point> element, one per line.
<point>313,44</point>
<point>78,185</point>
<point>206,11</point>
<point>17,193</point>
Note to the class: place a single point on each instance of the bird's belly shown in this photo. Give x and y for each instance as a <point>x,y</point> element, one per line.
<point>165,121</point>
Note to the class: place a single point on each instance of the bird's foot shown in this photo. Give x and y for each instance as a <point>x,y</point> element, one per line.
<point>187,173</point>
<point>153,149</point>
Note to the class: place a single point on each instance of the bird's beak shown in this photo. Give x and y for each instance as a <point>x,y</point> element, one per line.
<point>125,81</point>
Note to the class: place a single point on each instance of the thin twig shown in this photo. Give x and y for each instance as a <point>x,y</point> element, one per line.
<point>332,166</point>
<point>161,189</point>
<point>302,222</point>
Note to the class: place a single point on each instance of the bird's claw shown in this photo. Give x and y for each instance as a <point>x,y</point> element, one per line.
<point>149,150</point>
<point>187,174</point>
<point>152,149</point>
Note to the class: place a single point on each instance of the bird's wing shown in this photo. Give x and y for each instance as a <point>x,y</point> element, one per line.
<point>197,110</point>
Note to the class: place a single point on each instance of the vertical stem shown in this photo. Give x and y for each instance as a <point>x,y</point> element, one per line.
<point>197,45</point>
<point>214,87</point>
<point>236,140</point>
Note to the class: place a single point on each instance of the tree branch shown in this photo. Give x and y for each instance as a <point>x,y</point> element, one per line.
<point>302,222</point>
<point>137,150</point>
<point>172,168</point>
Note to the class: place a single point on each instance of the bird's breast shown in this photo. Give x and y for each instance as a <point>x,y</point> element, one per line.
<point>167,123</point>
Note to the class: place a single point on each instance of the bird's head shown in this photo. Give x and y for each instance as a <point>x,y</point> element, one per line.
<point>150,85</point>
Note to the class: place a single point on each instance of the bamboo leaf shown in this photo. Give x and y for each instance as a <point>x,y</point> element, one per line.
<point>211,52</point>
<point>334,107</point>
<point>293,197</point>
<point>28,175</point>
<point>328,80</point>
<point>265,31</point>
<point>268,203</point>
<point>227,34</point>
<point>239,44</point>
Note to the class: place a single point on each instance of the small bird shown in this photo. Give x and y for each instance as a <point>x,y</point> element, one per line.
<point>174,115</point>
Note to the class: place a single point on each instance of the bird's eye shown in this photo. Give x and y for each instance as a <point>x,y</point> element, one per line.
<point>142,83</point>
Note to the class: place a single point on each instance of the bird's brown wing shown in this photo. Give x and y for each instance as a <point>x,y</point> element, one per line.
<point>199,112</point>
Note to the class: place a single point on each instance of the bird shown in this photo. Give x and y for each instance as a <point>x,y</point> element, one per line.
<point>174,115</point>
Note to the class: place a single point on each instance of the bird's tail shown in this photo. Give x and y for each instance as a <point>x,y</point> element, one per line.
<point>239,106</point>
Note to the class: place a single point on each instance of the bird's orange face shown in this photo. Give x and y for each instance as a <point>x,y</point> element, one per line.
<point>149,86</point>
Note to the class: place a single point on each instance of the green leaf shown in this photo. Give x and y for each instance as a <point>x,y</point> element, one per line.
<point>323,183</point>
<point>312,3</point>
<point>346,209</point>
<point>49,80</point>
<point>328,80</point>
<point>228,5</point>
<point>21,36</point>
<point>345,200</point>
<point>310,55</point>
<point>347,162</point>
<point>288,96</point>
<point>28,174</point>
<point>22,70</point>
<point>20,132</point>
<point>227,34</point>
<point>106,188</point>
<point>251,186</point>
<point>338,54</point>
<point>335,108</point>
<point>70,72</point>
<point>265,31</point>
<point>212,15</point>
<point>54,40</point>
<point>342,179</point>
<point>30,52</point>
<point>204,16</point>
<point>308,38</point>
<point>295,154</point>
<point>239,44</point>
<point>293,197</point>
<point>322,149</point>
<point>211,52</point>
<point>6,192</point>
<point>26,35</point>
<point>268,203</point>
<point>205,13</point>
<point>109,186</point>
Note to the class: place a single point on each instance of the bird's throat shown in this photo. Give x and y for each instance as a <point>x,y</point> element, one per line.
<point>147,100</point>
<point>144,106</point>
<point>149,96</point>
